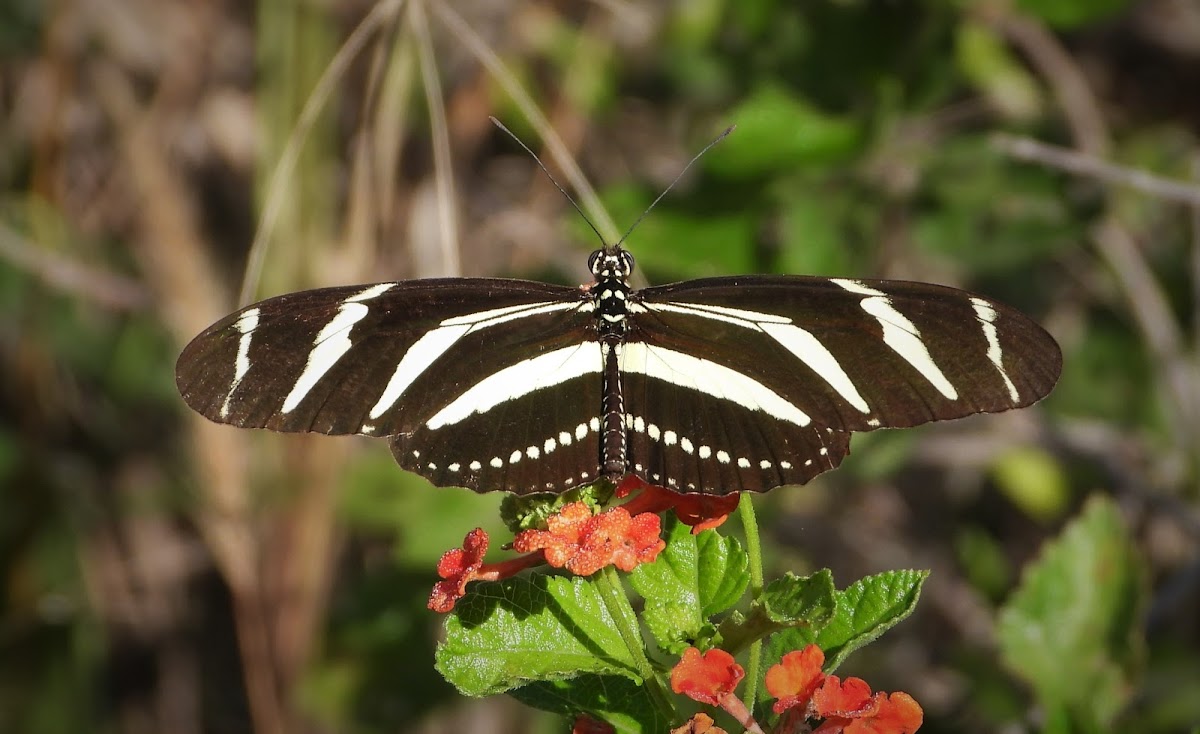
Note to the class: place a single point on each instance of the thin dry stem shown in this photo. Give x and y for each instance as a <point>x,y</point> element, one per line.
<point>58,271</point>
<point>1083,164</point>
<point>1068,82</point>
<point>1196,263</point>
<point>389,125</point>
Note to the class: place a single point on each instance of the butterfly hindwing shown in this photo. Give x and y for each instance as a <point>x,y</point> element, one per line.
<point>545,441</point>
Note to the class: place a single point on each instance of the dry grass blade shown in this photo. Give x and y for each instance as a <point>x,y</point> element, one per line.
<point>554,144</point>
<point>390,119</point>
<point>316,101</point>
<point>442,163</point>
<point>189,297</point>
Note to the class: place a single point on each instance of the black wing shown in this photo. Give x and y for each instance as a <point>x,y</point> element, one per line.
<point>470,378</point>
<point>774,372</point>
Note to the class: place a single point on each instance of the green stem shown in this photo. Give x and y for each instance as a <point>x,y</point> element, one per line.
<point>754,554</point>
<point>616,603</point>
<point>753,543</point>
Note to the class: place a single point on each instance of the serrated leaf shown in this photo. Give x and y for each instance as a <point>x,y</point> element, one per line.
<point>807,600</point>
<point>864,611</point>
<point>1072,628</point>
<point>721,577</point>
<point>791,601</point>
<point>620,702</point>
<point>674,627</point>
<point>693,578</point>
<point>541,628</point>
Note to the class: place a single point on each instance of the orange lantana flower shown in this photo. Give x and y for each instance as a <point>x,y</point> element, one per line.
<point>701,723</point>
<point>700,511</point>
<point>797,676</point>
<point>709,678</point>
<point>457,567</point>
<point>584,543</point>
<point>849,708</point>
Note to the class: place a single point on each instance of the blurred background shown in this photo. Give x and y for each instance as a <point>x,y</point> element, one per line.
<point>163,161</point>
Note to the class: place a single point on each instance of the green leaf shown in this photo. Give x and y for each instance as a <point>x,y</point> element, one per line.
<point>1072,628</point>
<point>990,214</point>
<point>376,497</point>
<point>983,561</point>
<point>695,577</point>
<point>620,702</point>
<point>540,628</point>
<point>817,229</point>
<point>779,131</point>
<point>721,571</point>
<point>986,60</point>
<point>791,601</point>
<point>866,610</point>
<point>809,600</point>
<point>1071,13</point>
<point>672,244</point>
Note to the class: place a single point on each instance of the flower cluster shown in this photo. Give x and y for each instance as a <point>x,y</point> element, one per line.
<point>460,566</point>
<point>574,539</point>
<point>802,691</point>
<point>584,543</point>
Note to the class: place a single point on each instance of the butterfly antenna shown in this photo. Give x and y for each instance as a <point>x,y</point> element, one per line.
<point>670,186</point>
<point>550,176</point>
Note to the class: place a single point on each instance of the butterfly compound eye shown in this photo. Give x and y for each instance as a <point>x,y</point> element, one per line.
<point>626,263</point>
<point>594,262</point>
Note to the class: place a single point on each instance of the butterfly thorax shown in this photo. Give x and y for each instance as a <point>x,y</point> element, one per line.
<point>611,290</point>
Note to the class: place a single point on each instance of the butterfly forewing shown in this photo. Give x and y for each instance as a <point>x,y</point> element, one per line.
<point>855,355</point>
<point>377,360</point>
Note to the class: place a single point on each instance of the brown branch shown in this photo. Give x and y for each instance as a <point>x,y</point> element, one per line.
<point>1083,164</point>
<point>62,273</point>
<point>171,254</point>
<point>1116,246</point>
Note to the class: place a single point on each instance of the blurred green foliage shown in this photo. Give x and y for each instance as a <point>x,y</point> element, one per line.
<point>1072,628</point>
<point>863,149</point>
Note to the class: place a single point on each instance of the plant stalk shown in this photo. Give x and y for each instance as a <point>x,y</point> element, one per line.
<point>612,594</point>
<point>755,566</point>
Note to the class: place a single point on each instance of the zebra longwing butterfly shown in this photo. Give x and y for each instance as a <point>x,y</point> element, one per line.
<point>713,386</point>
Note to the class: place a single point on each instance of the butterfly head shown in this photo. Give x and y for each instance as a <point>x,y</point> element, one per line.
<point>614,265</point>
